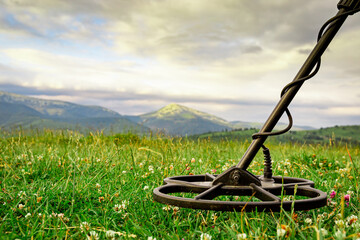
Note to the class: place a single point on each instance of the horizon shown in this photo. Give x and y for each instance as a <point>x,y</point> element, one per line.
<point>181,105</point>
<point>226,58</point>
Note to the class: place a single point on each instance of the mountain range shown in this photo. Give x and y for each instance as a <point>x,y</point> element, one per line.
<point>18,111</point>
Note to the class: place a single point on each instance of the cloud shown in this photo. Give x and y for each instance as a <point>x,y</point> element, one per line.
<point>210,54</point>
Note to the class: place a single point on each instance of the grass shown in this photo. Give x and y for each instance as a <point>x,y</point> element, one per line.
<point>63,185</point>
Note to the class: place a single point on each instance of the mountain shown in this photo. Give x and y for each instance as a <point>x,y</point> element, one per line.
<point>57,109</point>
<point>176,119</point>
<point>33,113</point>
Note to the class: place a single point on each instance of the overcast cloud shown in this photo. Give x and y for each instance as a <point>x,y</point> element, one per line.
<point>230,58</point>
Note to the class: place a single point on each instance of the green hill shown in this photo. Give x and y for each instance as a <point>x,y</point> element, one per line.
<point>331,135</point>
<point>176,119</point>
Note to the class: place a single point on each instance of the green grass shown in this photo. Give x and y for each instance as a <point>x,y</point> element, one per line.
<point>100,183</point>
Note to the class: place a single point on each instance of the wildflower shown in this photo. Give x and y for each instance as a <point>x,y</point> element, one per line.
<point>284,230</point>
<point>123,172</point>
<point>166,208</point>
<point>93,235</point>
<point>84,226</point>
<point>98,160</point>
<point>192,160</point>
<point>347,197</point>
<point>214,217</point>
<point>213,170</point>
<point>340,235</point>
<point>205,236</point>
<point>21,206</point>
<point>175,210</point>
<point>308,221</point>
<point>132,235</point>
<point>110,234</point>
<point>151,238</point>
<point>241,236</point>
<point>119,207</point>
<point>340,223</point>
<point>28,215</point>
<point>332,194</point>
<point>22,194</point>
<point>351,220</point>
<point>171,167</point>
<point>151,169</point>
<point>98,185</point>
<point>324,232</point>
<point>146,187</point>
<point>280,232</point>
<point>60,215</point>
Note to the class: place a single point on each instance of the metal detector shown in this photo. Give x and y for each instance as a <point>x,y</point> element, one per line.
<point>236,189</point>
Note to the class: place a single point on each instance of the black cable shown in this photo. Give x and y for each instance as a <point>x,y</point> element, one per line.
<point>323,29</point>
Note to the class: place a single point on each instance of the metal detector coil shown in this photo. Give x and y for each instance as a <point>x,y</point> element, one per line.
<point>236,189</point>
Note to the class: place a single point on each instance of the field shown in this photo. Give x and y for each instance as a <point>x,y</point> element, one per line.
<point>63,185</point>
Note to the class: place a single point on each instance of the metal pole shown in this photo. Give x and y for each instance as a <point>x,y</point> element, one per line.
<point>285,100</point>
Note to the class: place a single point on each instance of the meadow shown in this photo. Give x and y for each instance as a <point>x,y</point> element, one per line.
<point>64,185</point>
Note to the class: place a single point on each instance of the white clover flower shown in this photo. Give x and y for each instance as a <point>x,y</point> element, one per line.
<point>340,223</point>
<point>166,208</point>
<point>146,187</point>
<point>280,232</point>
<point>352,220</point>
<point>308,221</point>
<point>110,234</point>
<point>205,236</point>
<point>241,236</point>
<point>84,226</point>
<point>117,208</point>
<point>22,194</point>
<point>340,235</point>
<point>93,235</point>
<point>324,232</point>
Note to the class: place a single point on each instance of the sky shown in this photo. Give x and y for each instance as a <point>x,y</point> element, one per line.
<point>230,58</point>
